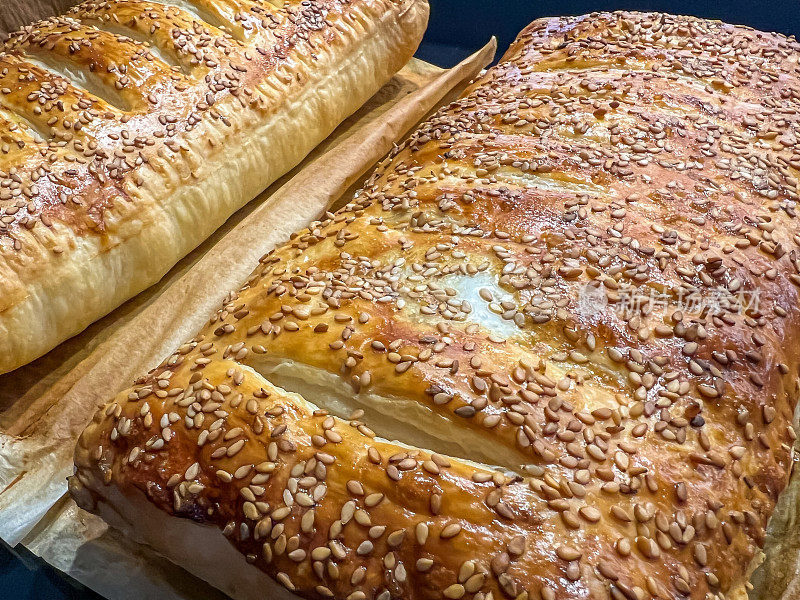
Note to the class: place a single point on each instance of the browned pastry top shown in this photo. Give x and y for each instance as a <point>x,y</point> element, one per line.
<point>585,271</point>
<point>72,156</point>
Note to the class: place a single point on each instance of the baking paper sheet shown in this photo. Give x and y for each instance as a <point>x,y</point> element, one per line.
<point>45,405</point>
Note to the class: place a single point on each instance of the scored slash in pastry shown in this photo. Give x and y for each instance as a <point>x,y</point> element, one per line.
<point>583,272</point>
<point>130,130</point>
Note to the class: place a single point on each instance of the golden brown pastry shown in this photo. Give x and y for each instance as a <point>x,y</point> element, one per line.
<point>132,129</point>
<point>584,272</point>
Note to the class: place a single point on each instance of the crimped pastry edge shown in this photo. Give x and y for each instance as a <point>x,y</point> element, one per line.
<point>219,564</point>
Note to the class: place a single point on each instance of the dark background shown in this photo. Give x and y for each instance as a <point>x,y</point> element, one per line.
<point>460,26</point>
<point>457,28</point>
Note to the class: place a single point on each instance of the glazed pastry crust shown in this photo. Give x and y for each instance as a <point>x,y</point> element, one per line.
<point>567,297</point>
<point>133,129</point>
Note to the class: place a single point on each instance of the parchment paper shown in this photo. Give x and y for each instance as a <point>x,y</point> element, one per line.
<point>46,404</point>
<point>778,577</point>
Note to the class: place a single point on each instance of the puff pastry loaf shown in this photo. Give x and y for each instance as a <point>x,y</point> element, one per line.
<point>132,129</point>
<point>570,297</point>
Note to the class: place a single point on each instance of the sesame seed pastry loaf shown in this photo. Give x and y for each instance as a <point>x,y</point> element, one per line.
<point>571,297</point>
<point>132,129</point>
